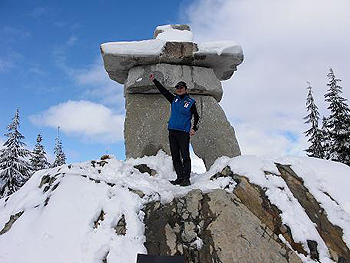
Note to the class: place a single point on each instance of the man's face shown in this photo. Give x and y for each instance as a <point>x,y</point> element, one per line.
<point>181,91</point>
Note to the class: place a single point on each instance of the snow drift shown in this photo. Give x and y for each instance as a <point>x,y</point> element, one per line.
<point>72,213</point>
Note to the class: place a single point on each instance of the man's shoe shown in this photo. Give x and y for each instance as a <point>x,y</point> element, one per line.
<point>185,182</point>
<point>176,182</point>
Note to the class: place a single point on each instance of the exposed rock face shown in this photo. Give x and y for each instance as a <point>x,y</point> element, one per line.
<point>213,227</point>
<point>331,234</point>
<point>242,226</point>
<point>200,65</point>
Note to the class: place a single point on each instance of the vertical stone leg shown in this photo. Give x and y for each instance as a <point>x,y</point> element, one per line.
<point>145,127</point>
<point>215,136</point>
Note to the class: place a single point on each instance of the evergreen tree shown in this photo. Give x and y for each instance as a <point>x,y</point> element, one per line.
<point>326,140</point>
<point>15,170</point>
<point>314,133</point>
<point>60,157</point>
<point>38,159</point>
<point>338,123</point>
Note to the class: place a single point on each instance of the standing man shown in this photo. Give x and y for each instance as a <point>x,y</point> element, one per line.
<point>180,130</point>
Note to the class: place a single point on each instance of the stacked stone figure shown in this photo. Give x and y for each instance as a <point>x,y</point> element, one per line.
<point>173,57</point>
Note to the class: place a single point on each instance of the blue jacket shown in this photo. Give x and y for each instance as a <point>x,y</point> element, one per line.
<point>180,118</point>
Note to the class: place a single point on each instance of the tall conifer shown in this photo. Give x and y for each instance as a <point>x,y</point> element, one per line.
<point>314,133</point>
<point>338,122</point>
<point>15,170</point>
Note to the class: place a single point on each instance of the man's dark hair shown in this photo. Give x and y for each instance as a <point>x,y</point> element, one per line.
<point>181,84</point>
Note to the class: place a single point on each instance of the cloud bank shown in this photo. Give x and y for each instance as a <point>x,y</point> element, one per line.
<point>285,44</point>
<point>88,120</point>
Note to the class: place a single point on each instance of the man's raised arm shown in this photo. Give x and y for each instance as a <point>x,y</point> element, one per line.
<point>166,93</point>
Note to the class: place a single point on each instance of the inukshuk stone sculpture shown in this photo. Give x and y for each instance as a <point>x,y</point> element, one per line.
<point>173,57</point>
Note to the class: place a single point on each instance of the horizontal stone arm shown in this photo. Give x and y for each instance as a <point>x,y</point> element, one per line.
<point>201,81</point>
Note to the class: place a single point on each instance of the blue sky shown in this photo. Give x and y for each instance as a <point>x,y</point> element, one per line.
<point>44,44</point>
<point>51,67</point>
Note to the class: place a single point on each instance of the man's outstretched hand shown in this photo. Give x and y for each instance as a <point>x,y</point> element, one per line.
<point>151,76</point>
<point>192,132</point>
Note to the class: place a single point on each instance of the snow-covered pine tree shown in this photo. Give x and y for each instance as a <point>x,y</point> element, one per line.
<point>60,157</point>
<point>314,133</point>
<point>326,140</point>
<point>338,123</point>
<point>15,170</point>
<point>38,159</point>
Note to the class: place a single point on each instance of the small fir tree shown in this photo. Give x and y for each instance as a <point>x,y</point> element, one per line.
<point>15,170</point>
<point>338,123</point>
<point>38,159</point>
<point>314,133</point>
<point>60,157</point>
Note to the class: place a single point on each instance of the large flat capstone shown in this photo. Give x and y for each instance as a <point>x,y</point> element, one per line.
<point>172,45</point>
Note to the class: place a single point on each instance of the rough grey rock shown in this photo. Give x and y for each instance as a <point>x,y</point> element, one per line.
<point>120,228</point>
<point>330,233</point>
<point>217,228</point>
<point>143,168</point>
<point>200,81</point>
<point>12,220</point>
<point>145,127</point>
<point>214,138</point>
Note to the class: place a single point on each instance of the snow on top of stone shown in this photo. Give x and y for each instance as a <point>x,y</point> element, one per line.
<point>144,47</point>
<point>165,34</point>
<point>219,47</point>
<point>168,33</point>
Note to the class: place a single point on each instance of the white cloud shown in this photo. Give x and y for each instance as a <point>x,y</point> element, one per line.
<point>98,85</point>
<point>88,120</point>
<point>285,43</point>
<point>93,78</point>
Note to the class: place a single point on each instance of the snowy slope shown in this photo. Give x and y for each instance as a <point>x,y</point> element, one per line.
<point>60,208</point>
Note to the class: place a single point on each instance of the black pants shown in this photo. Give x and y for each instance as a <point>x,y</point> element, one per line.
<point>180,153</point>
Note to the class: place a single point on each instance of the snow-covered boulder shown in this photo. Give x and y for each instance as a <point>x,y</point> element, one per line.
<point>245,209</point>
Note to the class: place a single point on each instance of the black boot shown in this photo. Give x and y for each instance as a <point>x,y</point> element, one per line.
<point>176,182</point>
<point>185,182</point>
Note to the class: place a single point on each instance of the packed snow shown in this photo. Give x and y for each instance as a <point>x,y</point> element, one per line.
<point>170,34</point>
<point>61,222</point>
<point>154,47</point>
<point>219,48</point>
<point>140,48</point>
